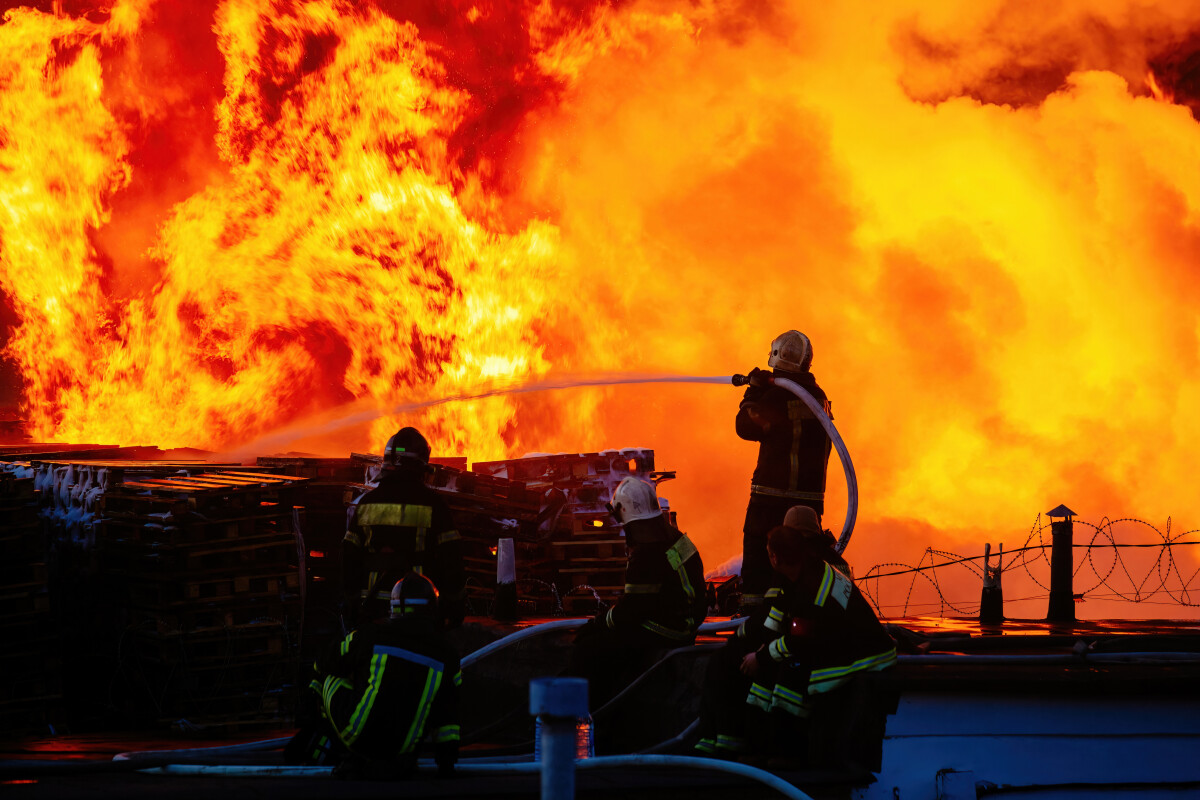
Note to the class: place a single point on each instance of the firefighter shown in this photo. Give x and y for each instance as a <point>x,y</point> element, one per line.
<point>813,636</point>
<point>663,603</point>
<point>399,526</point>
<point>793,455</point>
<point>804,519</point>
<point>382,689</point>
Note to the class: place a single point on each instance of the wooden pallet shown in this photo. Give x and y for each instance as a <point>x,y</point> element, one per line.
<point>253,673</point>
<point>13,488</point>
<point>19,685</point>
<point>17,602</point>
<point>30,713</point>
<point>201,617</point>
<point>166,592</point>
<point>215,496</point>
<point>22,544</point>
<point>172,528</point>
<point>20,573</point>
<point>257,640</point>
<point>336,470</point>
<point>230,555</point>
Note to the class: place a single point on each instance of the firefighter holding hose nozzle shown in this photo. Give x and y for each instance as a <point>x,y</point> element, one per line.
<point>793,454</point>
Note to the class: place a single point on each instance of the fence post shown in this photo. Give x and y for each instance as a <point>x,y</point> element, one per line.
<point>558,703</point>
<point>991,600</point>
<point>1062,566</point>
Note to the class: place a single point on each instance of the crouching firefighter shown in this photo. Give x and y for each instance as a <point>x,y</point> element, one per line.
<point>381,690</point>
<point>663,603</point>
<point>814,635</point>
<point>400,526</point>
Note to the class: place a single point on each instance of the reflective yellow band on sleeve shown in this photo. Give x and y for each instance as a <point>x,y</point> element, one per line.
<point>681,551</point>
<point>778,649</point>
<point>643,588</point>
<point>400,514</point>
<point>774,621</point>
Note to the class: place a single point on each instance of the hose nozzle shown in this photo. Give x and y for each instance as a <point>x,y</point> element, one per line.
<point>757,377</point>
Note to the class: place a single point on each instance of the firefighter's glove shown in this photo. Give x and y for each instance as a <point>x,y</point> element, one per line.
<point>759,377</point>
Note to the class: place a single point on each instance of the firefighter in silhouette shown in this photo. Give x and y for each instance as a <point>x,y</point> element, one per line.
<point>663,603</point>
<point>402,525</point>
<point>382,690</point>
<point>815,633</point>
<point>793,454</point>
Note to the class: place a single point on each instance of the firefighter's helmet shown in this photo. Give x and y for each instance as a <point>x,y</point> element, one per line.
<point>803,519</point>
<point>634,499</point>
<point>407,445</point>
<point>414,595</point>
<point>791,352</point>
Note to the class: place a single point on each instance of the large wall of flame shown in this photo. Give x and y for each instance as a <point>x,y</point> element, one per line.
<point>217,220</point>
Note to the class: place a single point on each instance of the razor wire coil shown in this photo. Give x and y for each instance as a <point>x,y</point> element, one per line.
<point>1117,580</point>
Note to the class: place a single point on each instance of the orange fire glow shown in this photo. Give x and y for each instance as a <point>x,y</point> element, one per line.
<point>215,220</point>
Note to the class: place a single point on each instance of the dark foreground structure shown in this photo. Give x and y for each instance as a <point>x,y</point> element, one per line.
<point>152,604</point>
<point>1026,709</point>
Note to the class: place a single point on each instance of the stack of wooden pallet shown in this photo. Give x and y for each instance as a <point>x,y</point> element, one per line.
<point>487,509</point>
<point>206,569</point>
<point>30,659</point>
<point>583,546</point>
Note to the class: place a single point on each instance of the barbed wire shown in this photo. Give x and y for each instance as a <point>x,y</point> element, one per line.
<point>1164,576</point>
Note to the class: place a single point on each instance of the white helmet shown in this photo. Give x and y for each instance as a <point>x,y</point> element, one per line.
<point>791,352</point>
<point>634,499</point>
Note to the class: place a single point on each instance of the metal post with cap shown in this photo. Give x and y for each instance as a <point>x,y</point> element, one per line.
<point>558,702</point>
<point>1062,565</point>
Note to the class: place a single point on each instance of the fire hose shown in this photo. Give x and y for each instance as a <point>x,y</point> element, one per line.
<point>526,767</point>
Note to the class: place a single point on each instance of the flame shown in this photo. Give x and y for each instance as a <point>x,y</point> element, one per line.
<point>1156,91</point>
<point>982,217</point>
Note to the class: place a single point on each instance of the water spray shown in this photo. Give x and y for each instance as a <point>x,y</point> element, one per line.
<point>358,413</point>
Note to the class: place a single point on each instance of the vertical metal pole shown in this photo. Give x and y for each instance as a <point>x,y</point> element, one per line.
<point>558,703</point>
<point>1062,566</point>
<point>505,608</point>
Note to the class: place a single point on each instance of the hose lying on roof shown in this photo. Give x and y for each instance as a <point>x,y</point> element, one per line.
<point>528,767</point>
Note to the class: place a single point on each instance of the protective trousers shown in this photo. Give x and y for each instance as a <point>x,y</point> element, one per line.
<point>763,514</point>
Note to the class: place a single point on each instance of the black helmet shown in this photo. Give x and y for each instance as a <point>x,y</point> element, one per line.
<point>414,595</point>
<point>407,445</point>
